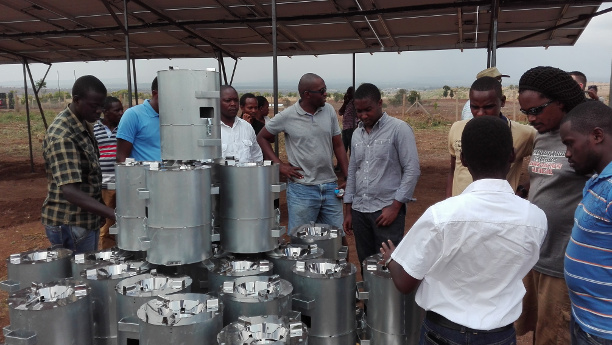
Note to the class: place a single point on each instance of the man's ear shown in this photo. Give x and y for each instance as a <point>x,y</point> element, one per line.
<point>512,156</point>
<point>503,100</point>
<point>597,135</point>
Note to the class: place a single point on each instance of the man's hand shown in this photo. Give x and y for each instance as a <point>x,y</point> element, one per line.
<point>388,214</point>
<point>347,225</point>
<point>342,185</point>
<point>246,117</point>
<point>386,250</point>
<point>290,171</point>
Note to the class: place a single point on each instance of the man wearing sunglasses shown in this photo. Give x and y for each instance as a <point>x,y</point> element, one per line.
<point>312,137</point>
<point>546,94</point>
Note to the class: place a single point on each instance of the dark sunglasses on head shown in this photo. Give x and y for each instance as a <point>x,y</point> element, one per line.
<point>321,91</point>
<point>536,110</point>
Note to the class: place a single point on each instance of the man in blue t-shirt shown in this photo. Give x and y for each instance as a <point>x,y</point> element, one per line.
<point>586,131</point>
<point>138,132</point>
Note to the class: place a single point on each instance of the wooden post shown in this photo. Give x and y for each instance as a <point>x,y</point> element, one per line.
<point>404,105</point>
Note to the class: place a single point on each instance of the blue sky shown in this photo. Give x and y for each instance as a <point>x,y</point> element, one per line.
<point>592,55</point>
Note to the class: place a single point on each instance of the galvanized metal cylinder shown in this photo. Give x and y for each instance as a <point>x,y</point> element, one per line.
<point>249,221</point>
<point>189,114</point>
<point>229,267</point>
<point>131,210</point>
<point>265,329</point>
<point>185,319</point>
<point>40,266</point>
<point>135,291</point>
<point>102,279</point>
<point>324,291</point>
<point>253,296</point>
<point>325,236</point>
<point>58,312</point>
<point>393,318</point>
<point>179,214</point>
<point>286,255</point>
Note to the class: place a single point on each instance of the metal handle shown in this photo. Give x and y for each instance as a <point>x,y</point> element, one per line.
<point>19,337</point>
<point>128,324</point>
<point>277,188</point>
<point>9,286</point>
<point>143,194</point>
<point>111,186</point>
<point>362,292</point>
<point>145,243</point>
<point>343,253</point>
<point>302,303</point>
<point>113,230</point>
<point>278,232</point>
<point>214,189</point>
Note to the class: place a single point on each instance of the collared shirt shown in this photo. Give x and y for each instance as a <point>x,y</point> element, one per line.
<point>308,141</point>
<point>472,251</point>
<point>107,145</point>
<point>384,165</point>
<point>240,142</point>
<point>71,156</point>
<point>523,137</point>
<point>588,258</point>
<point>139,125</point>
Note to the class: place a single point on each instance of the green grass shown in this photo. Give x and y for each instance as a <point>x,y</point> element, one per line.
<point>14,133</point>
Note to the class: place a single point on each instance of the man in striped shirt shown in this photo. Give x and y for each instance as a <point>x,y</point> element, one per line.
<point>587,133</point>
<point>105,131</point>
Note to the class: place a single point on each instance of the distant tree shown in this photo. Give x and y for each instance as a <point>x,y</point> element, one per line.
<point>337,96</point>
<point>398,99</point>
<point>292,94</point>
<point>11,100</point>
<point>446,89</point>
<point>41,84</point>
<point>286,102</point>
<point>267,94</point>
<point>413,96</point>
<point>451,93</point>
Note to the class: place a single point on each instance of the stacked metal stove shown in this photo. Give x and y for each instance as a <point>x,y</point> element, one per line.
<point>198,250</point>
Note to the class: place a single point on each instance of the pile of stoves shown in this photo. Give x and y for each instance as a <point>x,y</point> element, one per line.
<point>200,257</point>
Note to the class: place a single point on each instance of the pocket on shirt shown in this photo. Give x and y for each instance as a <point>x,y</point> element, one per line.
<point>247,142</point>
<point>380,149</point>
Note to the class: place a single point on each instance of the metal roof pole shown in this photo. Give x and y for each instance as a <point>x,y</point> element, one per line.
<point>494,17</point>
<point>274,69</point>
<point>42,113</point>
<point>27,103</point>
<point>610,88</point>
<point>127,52</point>
<point>353,72</point>
<point>135,83</point>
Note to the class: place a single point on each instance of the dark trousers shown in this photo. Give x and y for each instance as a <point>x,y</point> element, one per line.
<point>347,136</point>
<point>433,334</point>
<point>369,236</point>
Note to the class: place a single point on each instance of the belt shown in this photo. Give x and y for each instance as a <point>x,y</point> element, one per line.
<point>444,322</point>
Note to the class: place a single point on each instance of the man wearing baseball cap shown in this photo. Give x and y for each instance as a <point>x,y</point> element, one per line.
<point>466,113</point>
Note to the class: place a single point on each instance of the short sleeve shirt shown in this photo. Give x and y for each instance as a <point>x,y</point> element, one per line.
<point>71,156</point>
<point>308,141</point>
<point>139,125</point>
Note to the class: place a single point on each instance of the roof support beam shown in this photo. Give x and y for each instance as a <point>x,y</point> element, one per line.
<point>183,27</point>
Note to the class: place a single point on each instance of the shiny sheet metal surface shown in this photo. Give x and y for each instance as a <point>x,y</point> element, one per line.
<point>324,291</point>
<point>185,319</point>
<point>248,219</point>
<point>189,114</point>
<point>179,214</point>
<point>47,308</point>
<point>324,236</point>
<point>40,266</point>
<point>229,267</point>
<point>253,296</point>
<point>285,256</point>
<point>265,329</point>
<point>130,180</point>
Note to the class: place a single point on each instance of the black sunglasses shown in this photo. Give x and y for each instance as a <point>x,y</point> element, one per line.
<point>536,110</point>
<point>321,91</point>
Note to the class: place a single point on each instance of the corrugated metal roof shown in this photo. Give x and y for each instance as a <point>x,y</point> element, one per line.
<point>88,30</point>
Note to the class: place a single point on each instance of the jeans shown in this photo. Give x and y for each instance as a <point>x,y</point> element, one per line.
<point>77,239</point>
<point>313,203</point>
<point>580,337</point>
<point>369,236</point>
<point>433,334</point>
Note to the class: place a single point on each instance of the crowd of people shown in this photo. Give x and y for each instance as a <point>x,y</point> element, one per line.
<point>495,259</point>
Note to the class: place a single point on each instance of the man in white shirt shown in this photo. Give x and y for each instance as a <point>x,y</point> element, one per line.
<point>468,254</point>
<point>238,138</point>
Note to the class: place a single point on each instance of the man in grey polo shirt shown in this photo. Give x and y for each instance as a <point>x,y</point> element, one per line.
<point>312,137</point>
<point>383,173</point>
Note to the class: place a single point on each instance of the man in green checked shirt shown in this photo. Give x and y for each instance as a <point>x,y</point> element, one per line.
<point>73,210</point>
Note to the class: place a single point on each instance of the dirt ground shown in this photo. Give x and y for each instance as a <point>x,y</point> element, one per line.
<point>22,192</point>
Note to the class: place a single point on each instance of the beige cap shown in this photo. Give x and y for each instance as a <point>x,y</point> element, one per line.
<point>491,72</point>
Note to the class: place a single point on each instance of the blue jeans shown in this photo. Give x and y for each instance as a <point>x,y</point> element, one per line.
<point>580,337</point>
<point>433,334</point>
<point>313,203</point>
<point>77,239</point>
